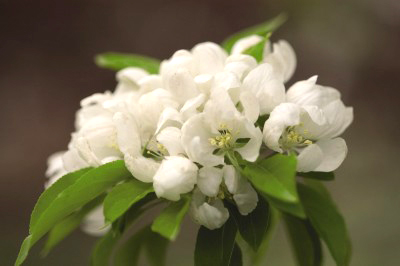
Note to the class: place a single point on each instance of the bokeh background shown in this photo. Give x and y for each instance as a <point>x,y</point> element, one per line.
<point>46,67</point>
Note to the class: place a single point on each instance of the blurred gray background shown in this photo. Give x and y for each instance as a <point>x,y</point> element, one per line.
<point>46,67</point>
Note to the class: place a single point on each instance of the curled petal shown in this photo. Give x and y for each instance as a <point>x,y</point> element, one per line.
<point>209,57</point>
<point>282,58</point>
<point>245,43</point>
<point>170,137</point>
<point>309,158</point>
<point>246,198</point>
<point>176,175</point>
<point>334,152</point>
<point>209,180</point>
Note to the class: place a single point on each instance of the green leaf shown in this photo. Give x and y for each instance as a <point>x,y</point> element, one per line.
<point>275,177</point>
<point>169,221</point>
<point>252,227</point>
<point>89,186</point>
<point>324,176</point>
<point>257,51</point>
<point>123,196</point>
<point>304,240</point>
<point>215,247</point>
<point>23,252</point>
<point>52,192</point>
<point>295,208</point>
<point>261,29</point>
<point>118,61</point>
<point>69,224</point>
<point>236,259</point>
<point>327,221</point>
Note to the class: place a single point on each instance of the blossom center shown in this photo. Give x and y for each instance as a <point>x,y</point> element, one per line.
<point>295,137</point>
<point>224,140</point>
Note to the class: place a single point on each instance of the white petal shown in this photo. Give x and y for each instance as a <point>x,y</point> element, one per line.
<point>251,150</point>
<point>231,178</point>
<point>204,83</point>
<point>209,180</point>
<point>211,215</point>
<point>246,198</point>
<point>169,117</point>
<point>142,168</point>
<point>127,134</point>
<point>284,115</point>
<point>245,43</point>
<point>170,137</point>
<point>181,84</point>
<point>251,107</point>
<point>229,82</point>
<point>209,57</point>
<point>334,152</point>
<point>309,158</point>
<point>72,161</point>
<point>150,83</point>
<point>195,141</point>
<point>283,59</point>
<point>176,175</point>
<point>128,79</point>
<point>262,82</point>
<point>190,108</point>
<point>240,64</point>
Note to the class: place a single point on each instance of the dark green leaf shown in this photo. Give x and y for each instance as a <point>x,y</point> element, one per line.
<point>325,176</point>
<point>52,192</point>
<point>215,247</point>
<point>261,29</point>
<point>69,224</point>
<point>236,259</point>
<point>275,177</point>
<point>118,61</point>
<point>123,196</point>
<point>327,221</point>
<point>257,51</point>
<point>253,227</point>
<point>169,221</point>
<point>304,240</point>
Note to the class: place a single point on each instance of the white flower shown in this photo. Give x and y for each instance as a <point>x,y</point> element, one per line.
<point>211,214</point>
<point>176,175</point>
<point>219,127</point>
<point>282,58</point>
<point>309,126</point>
<point>266,87</point>
<point>245,43</point>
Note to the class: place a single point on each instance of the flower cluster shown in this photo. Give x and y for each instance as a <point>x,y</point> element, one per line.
<point>179,129</point>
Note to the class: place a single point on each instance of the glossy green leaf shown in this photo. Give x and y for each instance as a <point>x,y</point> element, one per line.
<point>323,176</point>
<point>68,225</point>
<point>304,241</point>
<point>123,196</point>
<point>118,61</point>
<point>261,29</point>
<point>257,51</point>
<point>253,227</point>
<point>215,247</point>
<point>275,177</point>
<point>327,221</point>
<point>51,193</point>
<point>169,221</point>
